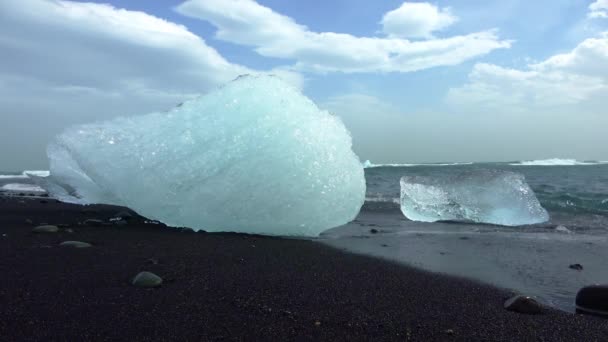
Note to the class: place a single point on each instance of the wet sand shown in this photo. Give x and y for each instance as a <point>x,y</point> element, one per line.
<point>235,287</point>
<point>534,260</point>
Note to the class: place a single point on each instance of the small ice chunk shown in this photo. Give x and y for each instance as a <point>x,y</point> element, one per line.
<point>254,156</point>
<point>484,196</point>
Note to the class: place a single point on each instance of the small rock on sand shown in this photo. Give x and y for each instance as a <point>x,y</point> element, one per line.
<point>75,244</point>
<point>45,229</point>
<point>593,300</point>
<point>523,304</point>
<point>147,279</point>
<point>577,267</point>
<point>563,229</point>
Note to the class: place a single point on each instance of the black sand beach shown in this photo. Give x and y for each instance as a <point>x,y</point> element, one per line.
<point>234,287</point>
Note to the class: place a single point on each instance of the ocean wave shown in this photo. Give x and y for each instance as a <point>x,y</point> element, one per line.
<point>368,164</point>
<point>382,199</point>
<point>20,187</point>
<point>575,203</point>
<point>25,174</point>
<point>38,173</point>
<point>557,162</point>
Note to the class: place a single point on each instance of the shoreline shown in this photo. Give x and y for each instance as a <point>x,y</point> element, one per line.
<point>229,286</point>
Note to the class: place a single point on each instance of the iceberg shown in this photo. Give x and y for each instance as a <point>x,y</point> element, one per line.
<point>483,196</point>
<point>255,156</point>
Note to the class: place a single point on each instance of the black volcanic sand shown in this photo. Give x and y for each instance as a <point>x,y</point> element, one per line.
<point>235,287</point>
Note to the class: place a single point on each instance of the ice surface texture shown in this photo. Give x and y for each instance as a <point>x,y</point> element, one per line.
<point>484,196</point>
<point>255,156</point>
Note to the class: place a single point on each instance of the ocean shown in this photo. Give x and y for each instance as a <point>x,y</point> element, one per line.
<point>533,260</point>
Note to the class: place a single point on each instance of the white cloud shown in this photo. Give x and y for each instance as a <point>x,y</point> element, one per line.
<point>99,46</point>
<point>589,58</point>
<point>272,34</point>
<point>598,9</point>
<point>67,62</point>
<point>416,20</point>
<point>579,77</point>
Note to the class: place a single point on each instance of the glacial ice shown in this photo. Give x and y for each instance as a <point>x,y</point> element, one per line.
<point>484,196</point>
<point>254,156</point>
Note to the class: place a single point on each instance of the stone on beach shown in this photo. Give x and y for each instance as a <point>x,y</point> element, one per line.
<point>523,304</point>
<point>45,229</point>
<point>147,279</point>
<point>577,267</point>
<point>593,299</point>
<point>75,244</point>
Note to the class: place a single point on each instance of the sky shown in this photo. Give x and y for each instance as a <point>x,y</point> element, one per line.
<point>414,82</point>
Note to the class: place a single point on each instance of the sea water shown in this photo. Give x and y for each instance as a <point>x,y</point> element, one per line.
<point>532,259</point>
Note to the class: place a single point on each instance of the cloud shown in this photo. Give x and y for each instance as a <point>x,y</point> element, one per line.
<point>246,22</point>
<point>99,46</point>
<point>416,20</point>
<point>579,77</point>
<point>598,9</point>
<point>67,62</point>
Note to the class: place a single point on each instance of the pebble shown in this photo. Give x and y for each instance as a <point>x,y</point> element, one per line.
<point>593,300</point>
<point>147,279</point>
<point>373,231</point>
<point>45,229</point>
<point>75,244</point>
<point>577,267</point>
<point>523,304</point>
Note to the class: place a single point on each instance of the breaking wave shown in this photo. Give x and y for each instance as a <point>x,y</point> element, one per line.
<point>557,162</point>
<point>25,174</point>
<point>368,164</point>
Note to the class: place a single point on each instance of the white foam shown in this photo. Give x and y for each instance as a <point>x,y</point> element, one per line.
<point>369,164</point>
<point>13,176</point>
<point>24,174</point>
<point>557,162</point>
<point>39,173</point>
<point>20,187</point>
<point>382,199</point>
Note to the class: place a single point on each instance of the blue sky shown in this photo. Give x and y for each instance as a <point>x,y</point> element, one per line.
<point>413,81</point>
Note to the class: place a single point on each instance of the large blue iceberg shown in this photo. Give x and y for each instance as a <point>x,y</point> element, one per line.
<point>254,156</point>
<point>484,196</point>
